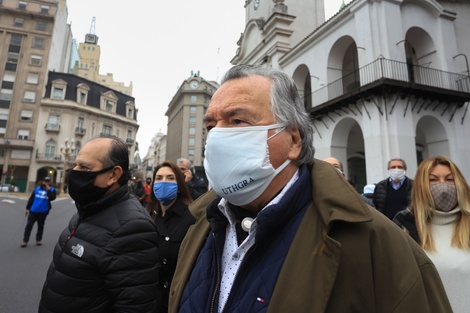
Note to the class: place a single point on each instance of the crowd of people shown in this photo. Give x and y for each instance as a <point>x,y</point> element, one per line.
<point>272,230</point>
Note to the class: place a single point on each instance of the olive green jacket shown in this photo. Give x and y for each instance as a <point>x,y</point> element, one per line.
<point>345,257</point>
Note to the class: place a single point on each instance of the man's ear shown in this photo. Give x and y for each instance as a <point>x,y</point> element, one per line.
<point>115,175</point>
<point>296,144</point>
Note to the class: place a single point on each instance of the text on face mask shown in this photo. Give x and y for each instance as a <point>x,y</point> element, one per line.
<point>237,186</point>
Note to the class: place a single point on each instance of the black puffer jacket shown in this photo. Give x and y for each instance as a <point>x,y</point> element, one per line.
<point>105,261</point>
<point>380,193</point>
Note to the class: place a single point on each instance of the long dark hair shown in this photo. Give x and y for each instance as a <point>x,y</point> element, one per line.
<point>183,191</point>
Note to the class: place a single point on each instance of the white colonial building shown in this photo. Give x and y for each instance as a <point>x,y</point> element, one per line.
<point>381,78</point>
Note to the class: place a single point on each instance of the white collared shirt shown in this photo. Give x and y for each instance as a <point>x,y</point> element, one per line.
<point>233,254</point>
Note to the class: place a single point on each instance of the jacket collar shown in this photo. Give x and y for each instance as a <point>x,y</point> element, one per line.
<point>334,197</point>
<point>118,195</point>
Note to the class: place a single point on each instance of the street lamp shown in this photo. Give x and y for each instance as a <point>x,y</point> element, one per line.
<point>67,149</point>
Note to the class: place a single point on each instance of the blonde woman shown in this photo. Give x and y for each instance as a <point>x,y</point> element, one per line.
<point>439,220</point>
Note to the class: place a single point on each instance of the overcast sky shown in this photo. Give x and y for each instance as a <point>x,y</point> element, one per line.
<point>156,44</point>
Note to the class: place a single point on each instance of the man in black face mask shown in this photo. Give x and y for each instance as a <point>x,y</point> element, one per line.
<point>104,260</point>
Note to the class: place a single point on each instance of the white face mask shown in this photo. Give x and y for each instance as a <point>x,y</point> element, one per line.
<point>396,174</point>
<point>237,162</point>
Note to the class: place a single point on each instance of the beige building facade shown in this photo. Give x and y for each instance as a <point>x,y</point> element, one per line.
<point>26,37</point>
<point>186,133</point>
<point>43,109</point>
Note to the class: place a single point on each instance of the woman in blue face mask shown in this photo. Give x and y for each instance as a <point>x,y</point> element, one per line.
<point>168,206</point>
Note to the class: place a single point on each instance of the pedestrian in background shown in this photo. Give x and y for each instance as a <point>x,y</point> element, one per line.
<point>368,194</point>
<point>168,205</point>
<point>105,260</point>
<point>283,232</point>
<point>137,189</point>
<point>393,194</point>
<point>439,220</point>
<point>148,191</point>
<point>37,209</point>
<point>196,185</point>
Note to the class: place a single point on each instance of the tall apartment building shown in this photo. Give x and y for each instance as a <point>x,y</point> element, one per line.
<point>186,133</point>
<point>381,79</point>
<point>42,107</point>
<point>28,49</point>
<point>89,64</point>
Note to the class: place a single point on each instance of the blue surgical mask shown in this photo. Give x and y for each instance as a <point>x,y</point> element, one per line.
<point>165,191</point>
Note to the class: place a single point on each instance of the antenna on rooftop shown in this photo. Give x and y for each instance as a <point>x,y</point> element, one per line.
<point>91,37</point>
<point>92,26</point>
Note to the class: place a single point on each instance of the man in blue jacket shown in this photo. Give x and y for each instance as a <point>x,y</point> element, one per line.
<point>281,231</point>
<point>39,205</point>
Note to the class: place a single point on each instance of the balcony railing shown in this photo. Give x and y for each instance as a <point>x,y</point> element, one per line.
<point>49,157</point>
<point>52,127</point>
<point>384,69</point>
<point>53,157</point>
<point>80,131</point>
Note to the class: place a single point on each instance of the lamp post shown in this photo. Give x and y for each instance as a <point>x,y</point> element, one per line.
<point>67,149</point>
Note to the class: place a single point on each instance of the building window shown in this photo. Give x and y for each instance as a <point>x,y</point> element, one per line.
<point>33,78</point>
<point>130,113</point>
<point>109,102</point>
<point>39,42</point>
<point>192,109</point>
<point>192,131</point>
<point>20,154</point>
<point>193,99</point>
<point>4,115</point>
<point>80,125</point>
<point>18,22</point>
<point>29,96</point>
<point>53,122</point>
<point>16,40</point>
<point>82,97</point>
<point>50,149</point>
<point>191,152</point>
<point>35,60</point>
<point>58,89</point>
<point>129,136</point>
<point>58,93</point>
<point>23,134</point>
<point>109,105</point>
<point>13,57</point>
<point>26,115</point>
<point>107,130</point>
<point>191,142</point>
<point>44,9</point>
<point>192,120</point>
<point>41,26</point>
<point>82,93</point>
<point>9,76</point>
<point>6,94</point>
<point>22,5</point>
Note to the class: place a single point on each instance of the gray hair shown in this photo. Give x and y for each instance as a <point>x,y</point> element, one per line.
<point>287,106</point>
<point>397,159</point>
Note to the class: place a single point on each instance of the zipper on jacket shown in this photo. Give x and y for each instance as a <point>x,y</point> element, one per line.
<point>218,277</point>
<point>74,229</point>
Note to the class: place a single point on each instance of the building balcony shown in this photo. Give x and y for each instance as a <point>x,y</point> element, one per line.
<point>52,127</point>
<point>17,143</point>
<point>129,141</point>
<point>53,158</point>
<point>79,131</point>
<point>385,77</point>
<point>47,157</point>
